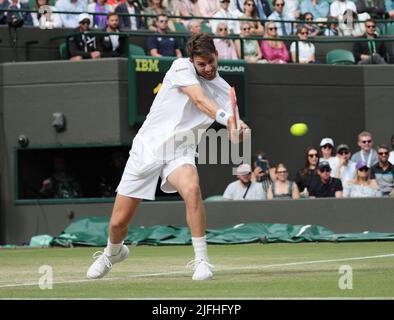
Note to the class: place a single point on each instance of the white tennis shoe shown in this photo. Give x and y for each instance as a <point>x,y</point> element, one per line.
<point>202,269</point>
<point>104,262</point>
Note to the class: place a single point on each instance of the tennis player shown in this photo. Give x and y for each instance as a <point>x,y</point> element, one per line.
<point>191,97</point>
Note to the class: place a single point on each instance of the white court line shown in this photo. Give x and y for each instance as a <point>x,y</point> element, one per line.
<point>289,264</point>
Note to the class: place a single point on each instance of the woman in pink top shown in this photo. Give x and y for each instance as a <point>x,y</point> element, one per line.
<point>273,51</point>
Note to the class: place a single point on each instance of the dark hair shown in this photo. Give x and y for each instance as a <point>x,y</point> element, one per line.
<point>274,2</point>
<point>383,146</point>
<point>109,15</point>
<point>200,45</point>
<point>304,170</point>
<point>371,20</point>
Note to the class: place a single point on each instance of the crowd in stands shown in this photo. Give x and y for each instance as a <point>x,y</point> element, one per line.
<point>329,172</point>
<point>272,19</point>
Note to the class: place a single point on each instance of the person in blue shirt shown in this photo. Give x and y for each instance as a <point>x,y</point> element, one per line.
<point>319,8</point>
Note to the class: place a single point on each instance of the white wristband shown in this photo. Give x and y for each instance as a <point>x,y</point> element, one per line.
<point>222,117</point>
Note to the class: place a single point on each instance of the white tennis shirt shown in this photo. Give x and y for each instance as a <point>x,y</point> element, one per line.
<point>174,124</point>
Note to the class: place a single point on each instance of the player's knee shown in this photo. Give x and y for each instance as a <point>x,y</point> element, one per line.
<point>192,193</point>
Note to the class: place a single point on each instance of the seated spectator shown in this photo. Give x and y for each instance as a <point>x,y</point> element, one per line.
<point>308,173</point>
<point>370,52</point>
<point>319,8</point>
<point>282,188</point>
<point>292,9</point>
<point>115,3</point>
<point>345,168</point>
<point>326,186</point>
<point>70,20</point>
<point>306,50</point>
<point>6,17</point>
<point>326,152</point>
<point>208,7</point>
<point>99,21</point>
<point>262,171</point>
<point>163,46</point>
<point>172,6</point>
<point>391,157</point>
<point>313,29</point>
<point>389,9</point>
<point>156,7</point>
<point>367,153</point>
<point>112,174</point>
<point>338,7</point>
<point>263,8</point>
<point>130,22</point>
<point>112,45</point>
<point>250,12</point>
<point>244,188</point>
<point>40,20</point>
<point>362,186</point>
<point>351,24</point>
<point>194,27</point>
<point>375,8</point>
<point>273,51</point>
<point>61,184</point>
<point>332,28</point>
<point>251,49</point>
<point>225,47</point>
<point>83,46</point>
<point>383,172</point>
<point>284,28</point>
<point>189,8</point>
<point>224,12</point>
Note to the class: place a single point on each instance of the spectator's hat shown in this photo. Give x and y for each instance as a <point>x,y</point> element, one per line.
<point>324,165</point>
<point>361,164</point>
<point>325,141</point>
<point>343,147</point>
<point>244,169</point>
<point>82,17</point>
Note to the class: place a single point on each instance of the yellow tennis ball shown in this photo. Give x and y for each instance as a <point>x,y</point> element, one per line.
<point>298,129</point>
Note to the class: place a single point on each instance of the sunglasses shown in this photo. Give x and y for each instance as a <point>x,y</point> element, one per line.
<point>366,141</point>
<point>250,4</point>
<point>371,27</point>
<point>222,29</point>
<point>85,22</point>
<point>162,21</point>
<point>343,152</point>
<point>246,29</point>
<point>273,28</point>
<point>304,33</point>
<point>325,170</point>
<point>278,172</point>
<point>327,146</point>
<point>363,169</point>
<point>279,4</point>
<point>224,1</point>
<point>313,155</point>
<point>383,153</point>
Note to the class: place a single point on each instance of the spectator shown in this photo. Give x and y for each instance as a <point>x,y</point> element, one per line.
<point>99,21</point>
<point>351,23</point>
<point>113,174</point>
<point>262,171</point>
<point>38,18</point>
<point>306,175</point>
<point>115,3</point>
<point>282,188</point>
<point>273,51</point>
<point>375,8</point>
<point>163,46</point>
<point>370,52</point>
<point>83,46</point>
<point>391,157</point>
<point>224,12</point>
<point>366,153</point>
<point>326,186</point>
<point>383,172</point>
<point>263,8</point>
<point>5,17</point>
<point>61,184</point>
<point>344,169</point>
<point>70,20</point>
<point>319,8</point>
<point>130,22</point>
<point>156,7</point>
<point>112,45</point>
<point>194,27</point>
<point>389,6</point>
<point>209,7</point>
<point>306,50</point>
<point>284,29</point>
<point>326,152</point>
<point>338,7</point>
<point>225,47</point>
<point>189,8</point>
<point>313,29</point>
<point>244,188</point>
<point>332,28</point>
<point>172,6</point>
<point>251,49</point>
<point>292,9</point>
<point>250,12</point>
<point>362,186</point>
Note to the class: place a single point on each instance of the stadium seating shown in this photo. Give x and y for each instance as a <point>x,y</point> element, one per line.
<point>340,56</point>
<point>180,27</point>
<point>136,50</point>
<point>63,50</point>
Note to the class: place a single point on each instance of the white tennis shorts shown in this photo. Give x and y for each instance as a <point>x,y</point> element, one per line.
<point>142,172</point>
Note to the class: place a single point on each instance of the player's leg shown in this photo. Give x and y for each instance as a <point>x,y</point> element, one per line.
<point>186,181</point>
<point>123,211</point>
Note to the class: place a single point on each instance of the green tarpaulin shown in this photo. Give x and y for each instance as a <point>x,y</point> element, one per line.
<point>93,231</point>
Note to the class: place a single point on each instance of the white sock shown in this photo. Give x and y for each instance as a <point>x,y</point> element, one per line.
<point>200,248</point>
<point>113,249</point>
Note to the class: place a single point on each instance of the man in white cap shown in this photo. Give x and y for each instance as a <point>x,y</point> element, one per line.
<point>244,188</point>
<point>326,152</point>
<point>83,46</point>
